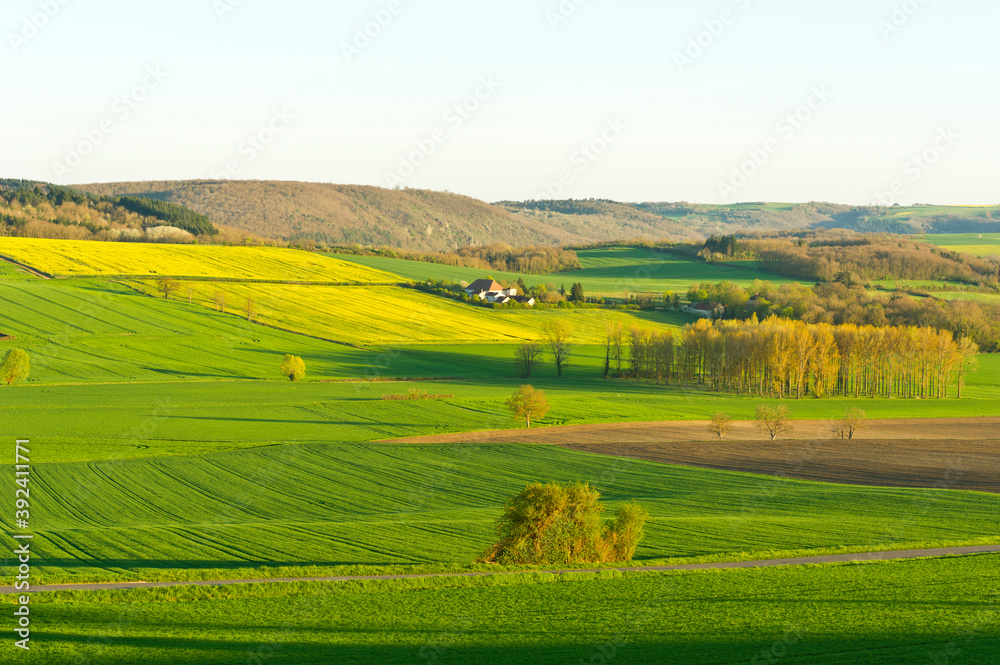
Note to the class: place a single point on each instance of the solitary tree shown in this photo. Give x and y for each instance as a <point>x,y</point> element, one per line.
<point>293,367</point>
<point>16,366</point>
<point>190,295</point>
<point>609,343</point>
<point>773,420</point>
<point>720,424</point>
<point>250,309</point>
<point>527,356</point>
<point>220,301</point>
<point>166,286</point>
<point>528,403</point>
<point>967,361</point>
<point>558,333</point>
<point>561,524</point>
<point>852,423</point>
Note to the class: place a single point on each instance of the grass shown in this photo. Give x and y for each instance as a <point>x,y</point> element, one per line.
<point>979,244</point>
<point>242,413</point>
<point>92,331</point>
<point>606,272</point>
<point>11,272</point>
<point>336,504</point>
<point>164,446</point>
<point>73,258</point>
<point>937,610</point>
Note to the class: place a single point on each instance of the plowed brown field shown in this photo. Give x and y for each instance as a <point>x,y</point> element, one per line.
<point>960,453</point>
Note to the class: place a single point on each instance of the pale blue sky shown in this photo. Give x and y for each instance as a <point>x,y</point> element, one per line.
<point>679,131</point>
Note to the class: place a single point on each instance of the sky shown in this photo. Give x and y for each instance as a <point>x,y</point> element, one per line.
<point>849,101</point>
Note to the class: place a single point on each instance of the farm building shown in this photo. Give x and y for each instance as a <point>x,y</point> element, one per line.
<point>706,310</point>
<point>490,290</point>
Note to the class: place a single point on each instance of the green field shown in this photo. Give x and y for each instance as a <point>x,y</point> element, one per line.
<point>338,504</point>
<point>608,272</point>
<point>931,611</point>
<point>165,446</point>
<point>979,244</point>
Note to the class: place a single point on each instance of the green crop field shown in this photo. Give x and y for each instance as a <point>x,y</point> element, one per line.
<point>165,446</point>
<point>338,504</point>
<point>609,272</point>
<point>930,611</point>
<point>85,258</point>
<point>979,244</point>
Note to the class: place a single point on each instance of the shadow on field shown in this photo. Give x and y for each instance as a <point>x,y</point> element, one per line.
<point>298,646</point>
<point>201,375</point>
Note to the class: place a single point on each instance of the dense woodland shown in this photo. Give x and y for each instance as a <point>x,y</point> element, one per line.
<point>783,358</point>
<point>38,210</point>
<point>848,257</point>
<point>837,304</point>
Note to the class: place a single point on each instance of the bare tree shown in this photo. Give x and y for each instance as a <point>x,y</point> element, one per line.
<point>166,286</point>
<point>852,423</point>
<point>220,301</point>
<point>250,309</point>
<point>528,356</point>
<point>774,420</point>
<point>190,295</point>
<point>616,348</point>
<point>558,333</point>
<point>720,424</point>
<point>966,351</point>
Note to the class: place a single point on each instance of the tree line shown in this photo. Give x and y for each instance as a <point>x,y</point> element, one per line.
<point>837,303</point>
<point>828,256</point>
<point>530,260</point>
<point>783,358</point>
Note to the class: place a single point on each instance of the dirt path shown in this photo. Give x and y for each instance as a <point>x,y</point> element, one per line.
<point>833,558</point>
<point>27,269</point>
<point>977,429</point>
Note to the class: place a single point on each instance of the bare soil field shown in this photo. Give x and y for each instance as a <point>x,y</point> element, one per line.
<point>960,453</point>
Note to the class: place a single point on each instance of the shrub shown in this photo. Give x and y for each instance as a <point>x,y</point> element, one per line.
<point>293,367</point>
<point>561,524</point>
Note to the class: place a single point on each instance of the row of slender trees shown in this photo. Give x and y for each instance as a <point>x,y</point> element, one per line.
<point>784,358</point>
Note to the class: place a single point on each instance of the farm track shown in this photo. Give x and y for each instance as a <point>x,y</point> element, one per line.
<point>769,563</point>
<point>25,268</point>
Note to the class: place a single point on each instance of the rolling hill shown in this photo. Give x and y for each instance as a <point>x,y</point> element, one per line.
<point>427,221</point>
<point>415,220</point>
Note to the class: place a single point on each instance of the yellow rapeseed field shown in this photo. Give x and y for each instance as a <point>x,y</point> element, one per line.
<point>68,258</point>
<point>387,315</point>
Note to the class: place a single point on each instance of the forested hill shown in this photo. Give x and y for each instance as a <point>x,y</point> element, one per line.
<point>428,221</point>
<point>410,219</point>
<point>414,220</point>
<point>670,220</point>
<point>43,210</point>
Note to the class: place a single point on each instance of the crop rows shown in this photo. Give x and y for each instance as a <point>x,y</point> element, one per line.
<point>341,504</point>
